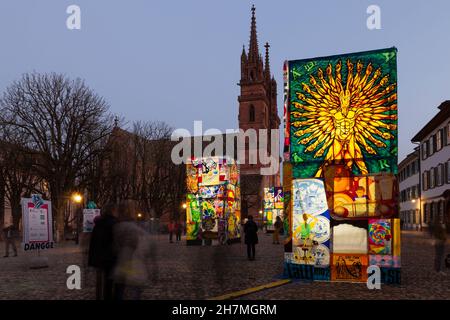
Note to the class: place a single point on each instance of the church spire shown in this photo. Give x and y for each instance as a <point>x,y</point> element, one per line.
<point>244,54</point>
<point>267,63</point>
<point>253,51</point>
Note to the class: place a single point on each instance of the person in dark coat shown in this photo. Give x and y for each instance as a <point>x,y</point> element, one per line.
<point>178,230</point>
<point>131,243</point>
<point>440,236</point>
<point>251,237</point>
<point>8,235</point>
<point>102,255</point>
<point>276,232</point>
<point>171,228</point>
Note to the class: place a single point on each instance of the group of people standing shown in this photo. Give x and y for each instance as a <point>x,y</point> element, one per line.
<point>175,227</point>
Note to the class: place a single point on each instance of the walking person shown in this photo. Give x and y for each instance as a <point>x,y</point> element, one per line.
<point>276,233</point>
<point>8,235</point>
<point>440,237</point>
<point>101,252</point>
<point>171,228</point>
<point>179,230</point>
<point>251,237</point>
<point>130,274</point>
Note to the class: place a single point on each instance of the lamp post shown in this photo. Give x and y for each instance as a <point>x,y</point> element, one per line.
<point>77,199</point>
<point>184,223</point>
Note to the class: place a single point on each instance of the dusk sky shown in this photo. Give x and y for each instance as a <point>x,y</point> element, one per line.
<point>179,61</point>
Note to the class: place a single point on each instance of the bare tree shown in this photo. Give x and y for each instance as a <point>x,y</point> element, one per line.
<point>102,178</point>
<point>2,201</point>
<point>156,176</point>
<point>16,171</point>
<point>139,168</point>
<point>176,190</point>
<point>111,173</point>
<point>63,120</point>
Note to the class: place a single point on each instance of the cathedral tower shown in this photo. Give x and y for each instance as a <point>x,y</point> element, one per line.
<point>257,110</point>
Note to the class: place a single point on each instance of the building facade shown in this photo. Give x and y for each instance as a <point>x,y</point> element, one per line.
<point>409,179</point>
<point>434,141</point>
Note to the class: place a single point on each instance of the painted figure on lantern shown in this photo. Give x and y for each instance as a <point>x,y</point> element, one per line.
<point>344,116</point>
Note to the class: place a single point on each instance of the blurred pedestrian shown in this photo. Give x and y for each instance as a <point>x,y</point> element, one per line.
<point>440,237</point>
<point>131,244</point>
<point>101,252</point>
<point>178,230</point>
<point>9,235</point>
<point>276,232</point>
<point>251,237</point>
<point>171,228</point>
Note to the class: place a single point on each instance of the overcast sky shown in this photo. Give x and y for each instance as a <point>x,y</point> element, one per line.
<point>179,61</point>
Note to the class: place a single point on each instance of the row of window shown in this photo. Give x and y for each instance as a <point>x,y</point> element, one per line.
<point>436,177</point>
<point>433,211</point>
<point>410,170</point>
<point>436,142</point>
<point>410,193</point>
<point>410,216</point>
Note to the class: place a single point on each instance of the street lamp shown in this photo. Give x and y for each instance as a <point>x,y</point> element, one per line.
<point>77,198</point>
<point>184,205</point>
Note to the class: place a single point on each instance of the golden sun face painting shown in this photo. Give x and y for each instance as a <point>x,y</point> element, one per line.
<point>343,109</point>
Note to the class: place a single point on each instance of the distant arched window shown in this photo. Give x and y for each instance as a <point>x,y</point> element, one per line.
<point>252,114</point>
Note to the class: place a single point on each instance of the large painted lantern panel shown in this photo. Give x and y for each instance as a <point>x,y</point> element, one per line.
<point>213,201</point>
<point>340,123</point>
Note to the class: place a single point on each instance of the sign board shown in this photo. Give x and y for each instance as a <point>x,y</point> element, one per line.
<point>37,223</point>
<point>88,219</point>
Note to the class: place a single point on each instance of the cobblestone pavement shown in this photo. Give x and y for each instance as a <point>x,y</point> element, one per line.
<point>419,280</point>
<point>191,272</point>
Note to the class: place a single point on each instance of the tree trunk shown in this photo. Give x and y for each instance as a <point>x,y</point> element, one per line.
<point>16,212</point>
<point>58,209</point>
<point>60,223</point>
<point>2,203</point>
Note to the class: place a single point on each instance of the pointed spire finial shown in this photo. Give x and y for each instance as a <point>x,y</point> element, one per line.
<point>243,54</point>
<point>253,51</point>
<point>267,63</point>
<point>116,121</point>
